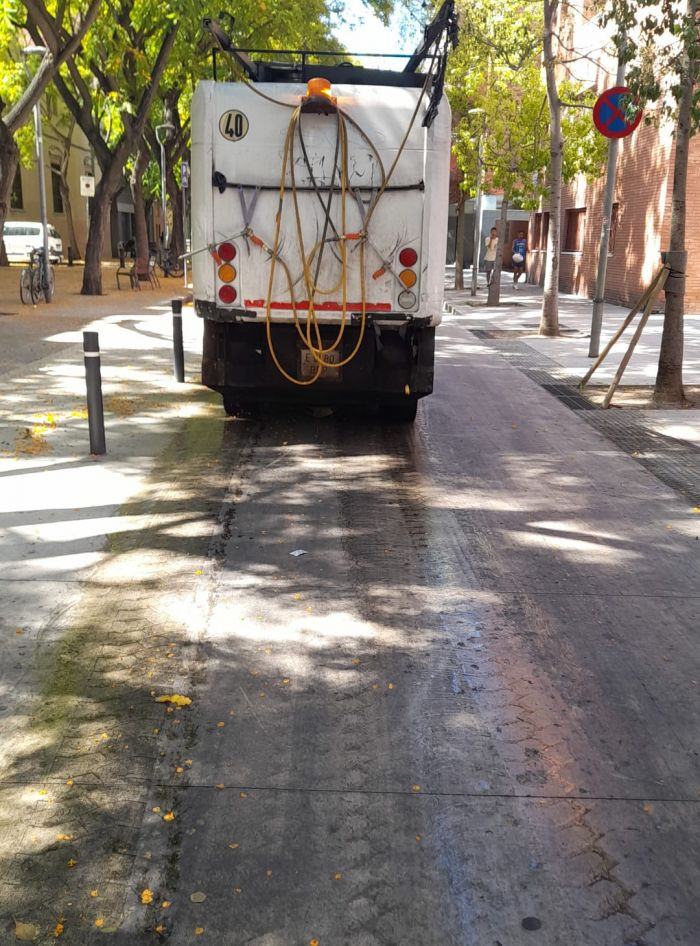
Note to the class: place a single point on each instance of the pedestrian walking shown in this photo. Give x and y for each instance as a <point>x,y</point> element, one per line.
<point>519,253</point>
<point>490,255</point>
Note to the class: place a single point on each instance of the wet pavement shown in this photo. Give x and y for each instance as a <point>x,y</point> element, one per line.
<point>466,715</point>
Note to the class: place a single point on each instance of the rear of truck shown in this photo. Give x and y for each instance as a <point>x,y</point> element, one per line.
<point>319,242</point>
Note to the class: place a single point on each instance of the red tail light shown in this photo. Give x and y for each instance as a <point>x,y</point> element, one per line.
<point>227,252</point>
<point>407,256</point>
<point>227,294</point>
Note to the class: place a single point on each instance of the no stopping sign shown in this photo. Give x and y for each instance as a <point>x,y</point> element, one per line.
<point>609,115</point>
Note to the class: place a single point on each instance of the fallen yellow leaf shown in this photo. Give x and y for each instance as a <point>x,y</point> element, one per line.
<point>43,791</point>
<point>313,942</point>
<point>156,809</point>
<point>169,816</point>
<point>93,893</point>
<point>648,808</point>
<point>233,846</point>
<point>221,723</point>
<point>198,897</point>
<point>64,837</point>
<point>25,932</point>
<point>419,838</point>
<point>243,794</point>
<point>199,571</point>
<point>72,862</point>
<point>19,631</point>
<point>285,681</point>
<point>175,698</point>
<point>99,921</point>
<point>160,929</point>
<point>415,788</point>
<point>179,769</point>
<point>220,785</point>
<point>58,929</point>
<point>146,896</point>
<point>337,876</point>
<point>390,686</point>
<point>69,781</point>
<point>297,596</point>
<point>198,930</point>
<point>165,904</point>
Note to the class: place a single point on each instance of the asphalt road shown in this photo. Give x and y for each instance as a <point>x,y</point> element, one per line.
<point>466,715</point>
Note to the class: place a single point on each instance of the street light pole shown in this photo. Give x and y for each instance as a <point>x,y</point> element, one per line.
<point>39,152</point>
<point>163,195</point>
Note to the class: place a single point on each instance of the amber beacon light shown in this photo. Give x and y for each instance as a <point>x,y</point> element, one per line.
<point>318,96</point>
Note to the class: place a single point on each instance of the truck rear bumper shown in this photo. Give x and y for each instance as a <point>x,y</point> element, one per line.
<point>392,361</point>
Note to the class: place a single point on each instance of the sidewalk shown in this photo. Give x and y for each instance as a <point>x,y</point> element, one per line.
<point>58,504</point>
<point>519,312</point>
<point>665,441</point>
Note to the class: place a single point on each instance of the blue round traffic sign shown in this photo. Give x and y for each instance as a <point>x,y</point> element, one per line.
<point>609,113</point>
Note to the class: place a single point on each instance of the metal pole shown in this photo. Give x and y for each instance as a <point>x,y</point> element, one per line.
<point>93,383</point>
<point>48,295</point>
<point>163,195</point>
<point>608,199</point>
<point>477,222</point>
<point>178,351</point>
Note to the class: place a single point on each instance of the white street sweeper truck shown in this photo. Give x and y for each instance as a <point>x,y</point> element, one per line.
<point>319,225</point>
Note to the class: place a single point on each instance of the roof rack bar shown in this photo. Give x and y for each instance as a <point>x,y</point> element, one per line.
<point>322,52</point>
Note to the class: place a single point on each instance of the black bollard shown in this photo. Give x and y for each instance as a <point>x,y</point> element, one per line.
<point>178,351</point>
<point>93,382</point>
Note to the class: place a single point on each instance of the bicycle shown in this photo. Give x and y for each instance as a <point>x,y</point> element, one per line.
<point>36,279</point>
<point>169,264</point>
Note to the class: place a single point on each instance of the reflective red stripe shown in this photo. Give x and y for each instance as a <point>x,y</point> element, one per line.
<point>320,306</point>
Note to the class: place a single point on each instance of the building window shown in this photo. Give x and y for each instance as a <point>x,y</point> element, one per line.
<point>545,230</point>
<point>573,239</point>
<point>56,187</point>
<point>16,199</point>
<point>614,218</point>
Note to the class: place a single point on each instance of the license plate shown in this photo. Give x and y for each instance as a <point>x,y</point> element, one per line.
<point>308,365</point>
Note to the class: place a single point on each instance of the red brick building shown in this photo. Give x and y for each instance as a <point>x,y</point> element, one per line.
<point>641,213</point>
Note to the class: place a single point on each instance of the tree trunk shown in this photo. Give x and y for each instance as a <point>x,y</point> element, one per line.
<point>105,192</point>
<point>549,322</point>
<point>459,242</point>
<point>111,161</point>
<point>177,236</point>
<point>9,160</point>
<point>668,389</point>
<point>494,297</point>
<point>140,224</point>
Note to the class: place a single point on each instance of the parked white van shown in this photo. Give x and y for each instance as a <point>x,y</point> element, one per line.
<point>21,237</point>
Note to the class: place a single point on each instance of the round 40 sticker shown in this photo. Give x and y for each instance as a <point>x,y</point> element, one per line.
<point>233,125</point>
